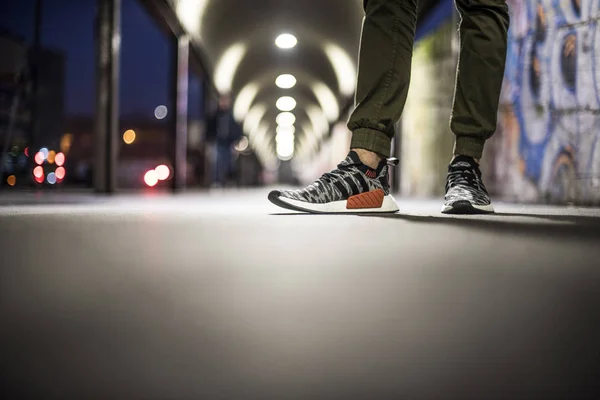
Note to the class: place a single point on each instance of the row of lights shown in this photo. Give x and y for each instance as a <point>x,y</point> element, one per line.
<point>285,137</point>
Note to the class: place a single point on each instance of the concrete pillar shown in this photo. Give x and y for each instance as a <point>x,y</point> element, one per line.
<point>180,82</point>
<point>108,31</point>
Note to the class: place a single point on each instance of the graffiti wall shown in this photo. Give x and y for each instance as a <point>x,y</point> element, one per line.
<point>547,148</point>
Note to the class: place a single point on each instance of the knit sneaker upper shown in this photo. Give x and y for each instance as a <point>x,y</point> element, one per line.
<point>464,183</point>
<point>350,178</point>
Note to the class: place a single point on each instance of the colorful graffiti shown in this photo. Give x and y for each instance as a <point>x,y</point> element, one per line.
<point>550,115</point>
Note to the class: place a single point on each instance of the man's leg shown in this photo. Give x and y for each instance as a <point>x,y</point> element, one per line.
<point>360,183</point>
<point>483,44</point>
<point>383,75</point>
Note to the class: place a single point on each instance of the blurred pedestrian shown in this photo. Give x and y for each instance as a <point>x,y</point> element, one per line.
<point>225,132</point>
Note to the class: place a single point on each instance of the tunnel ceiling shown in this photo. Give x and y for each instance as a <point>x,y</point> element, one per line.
<point>238,37</point>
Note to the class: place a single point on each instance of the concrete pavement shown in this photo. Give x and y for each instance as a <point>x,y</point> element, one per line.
<point>224,296</point>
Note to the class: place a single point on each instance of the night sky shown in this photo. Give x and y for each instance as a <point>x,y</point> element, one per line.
<point>69,26</point>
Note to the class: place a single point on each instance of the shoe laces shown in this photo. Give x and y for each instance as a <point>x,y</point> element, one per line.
<point>463,176</point>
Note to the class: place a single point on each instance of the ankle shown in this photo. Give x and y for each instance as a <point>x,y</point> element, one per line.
<point>463,155</point>
<point>369,158</point>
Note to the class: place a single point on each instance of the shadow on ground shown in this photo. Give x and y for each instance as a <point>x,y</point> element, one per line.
<point>576,226</point>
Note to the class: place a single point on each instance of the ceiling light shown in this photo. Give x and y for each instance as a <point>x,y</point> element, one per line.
<point>286,119</point>
<point>286,130</point>
<point>285,150</point>
<point>285,81</point>
<point>227,67</point>
<point>318,120</point>
<point>244,100</point>
<point>255,115</point>
<point>286,41</point>
<point>327,101</point>
<point>286,103</point>
<point>344,68</point>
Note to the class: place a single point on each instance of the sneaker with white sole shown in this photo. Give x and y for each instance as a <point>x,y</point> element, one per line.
<point>465,191</point>
<point>351,188</point>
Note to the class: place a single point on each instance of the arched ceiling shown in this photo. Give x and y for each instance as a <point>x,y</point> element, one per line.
<point>238,37</point>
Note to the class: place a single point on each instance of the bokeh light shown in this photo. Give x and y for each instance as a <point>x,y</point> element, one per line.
<point>151,178</point>
<point>286,103</point>
<point>38,172</point>
<point>242,145</point>
<point>59,159</point>
<point>65,142</point>
<point>39,158</point>
<point>51,178</point>
<point>51,156</point>
<point>129,136</point>
<point>286,41</point>
<point>162,172</point>
<point>39,179</point>
<point>11,180</point>
<point>286,119</point>
<point>285,81</point>
<point>161,112</point>
<point>60,173</point>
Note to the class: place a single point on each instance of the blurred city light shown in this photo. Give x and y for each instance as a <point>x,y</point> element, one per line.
<point>162,172</point>
<point>344,67</point>
<point>26,151</point>
<point>59,159</point>
<point>44,151</point>
<point>161,112</point>
<point>60,173</point>
<point>40,179</point>
<point>286,81</point>
<point>286,103</point>
<point>65,142</point>
<point>51,156</point>
<point>51,178</point>
<point>242,145</point>
<point>228,65</point>
<point>39,158</point>
<point>286,41</point>
<point>11,180</point>
<point>151,178</point>
<point>327,101</point>
<point>129,136</point>
<point>286,119</point>
<point>38,172</point>
<point>244,100</point>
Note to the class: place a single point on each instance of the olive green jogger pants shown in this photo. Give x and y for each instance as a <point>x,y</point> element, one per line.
<point>385,65</point>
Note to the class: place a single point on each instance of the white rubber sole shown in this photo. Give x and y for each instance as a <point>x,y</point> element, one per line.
<point>338,207</point>
<point>466,207</point>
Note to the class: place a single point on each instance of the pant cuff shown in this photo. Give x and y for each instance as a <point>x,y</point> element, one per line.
<point>372,140</point>
<point>469,146</point>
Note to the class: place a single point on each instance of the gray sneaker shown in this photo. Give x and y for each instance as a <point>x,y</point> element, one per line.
<point>351,188</point>
<point>465,191</point>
